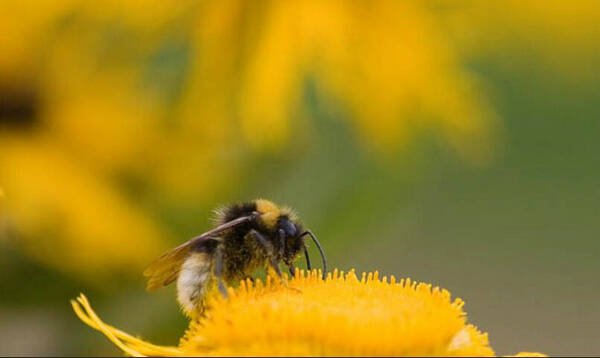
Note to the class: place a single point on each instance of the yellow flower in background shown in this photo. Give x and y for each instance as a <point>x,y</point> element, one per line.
<point>386,61</point>
<point>128,109</point>
<point>343,316</point>
<point>155,104</point>
<point>79,151</point>
<point>105,233</point>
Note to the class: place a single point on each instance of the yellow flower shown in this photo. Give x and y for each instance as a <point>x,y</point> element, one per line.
<point>52,197</point>
<point>146,106</point>
<point>307,316</point>
<point>386,62</point>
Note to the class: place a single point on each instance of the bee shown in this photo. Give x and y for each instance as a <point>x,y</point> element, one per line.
<point>248,236</point>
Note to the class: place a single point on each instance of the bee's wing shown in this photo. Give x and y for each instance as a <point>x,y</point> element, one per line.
<point>165,269</point>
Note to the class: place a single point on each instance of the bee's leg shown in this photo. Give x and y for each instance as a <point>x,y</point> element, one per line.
<point>275,265</point>
<point>281,242</point>
<point>281,250</point>
<point>219,271</point>
<point>269,249</point>
<point>266,245</point>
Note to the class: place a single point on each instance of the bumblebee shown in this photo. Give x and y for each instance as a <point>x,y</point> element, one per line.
<point>248,236</point>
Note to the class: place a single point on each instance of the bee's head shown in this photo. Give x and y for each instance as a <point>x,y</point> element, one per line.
<point>290,230</point>
<point>291,236</point>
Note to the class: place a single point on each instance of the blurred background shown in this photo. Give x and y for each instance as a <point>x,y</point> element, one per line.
<point>452,142</point>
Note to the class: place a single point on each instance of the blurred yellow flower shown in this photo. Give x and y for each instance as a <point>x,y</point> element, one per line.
<point>165,102</point>
<point>126,107</point>
<point>343,315</point>
<point>386,61</point>
<point>103,229</point>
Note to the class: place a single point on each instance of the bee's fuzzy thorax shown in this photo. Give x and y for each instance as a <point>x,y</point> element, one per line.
<point>269,212</point>
<point>226,213</point>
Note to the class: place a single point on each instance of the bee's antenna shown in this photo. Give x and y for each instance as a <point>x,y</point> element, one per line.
<point>314,238</point>
<point>307,258</point>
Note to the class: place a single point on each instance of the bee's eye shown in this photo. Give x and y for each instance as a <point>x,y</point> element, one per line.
<point>289,228</point>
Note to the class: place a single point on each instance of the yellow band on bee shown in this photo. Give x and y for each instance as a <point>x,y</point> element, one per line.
<point>270,212</point>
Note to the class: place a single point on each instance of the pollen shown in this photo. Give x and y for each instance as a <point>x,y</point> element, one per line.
<point>344,315</point>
